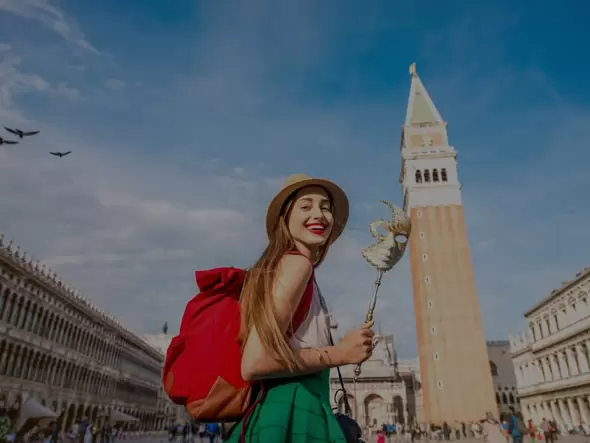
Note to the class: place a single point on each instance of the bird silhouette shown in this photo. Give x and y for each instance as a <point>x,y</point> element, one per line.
<point>21,133</point>
<point>61,154</point>
<point>7,142</point>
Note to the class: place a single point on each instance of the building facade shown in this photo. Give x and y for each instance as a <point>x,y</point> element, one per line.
<point>451,343</point>
<point>176,414</point>
<point>503,376</point>
<point>59,349</point>
<point>387,391</point>
<point>551,359</point>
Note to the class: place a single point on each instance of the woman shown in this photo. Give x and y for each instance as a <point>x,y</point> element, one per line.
<point>303,220</point>
<point>492,431</point>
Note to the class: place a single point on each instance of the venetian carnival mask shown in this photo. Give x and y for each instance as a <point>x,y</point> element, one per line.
<point>392,238</point>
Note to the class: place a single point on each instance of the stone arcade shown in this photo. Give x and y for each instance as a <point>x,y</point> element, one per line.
<point>551,359</point>
<point>68,354</point>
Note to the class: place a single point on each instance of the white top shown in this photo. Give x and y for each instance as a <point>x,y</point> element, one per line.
<point>314,332</point>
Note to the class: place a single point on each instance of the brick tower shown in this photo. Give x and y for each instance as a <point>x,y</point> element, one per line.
<point>454,365</point>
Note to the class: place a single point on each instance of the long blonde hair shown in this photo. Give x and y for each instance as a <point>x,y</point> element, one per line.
<point>257,305</point>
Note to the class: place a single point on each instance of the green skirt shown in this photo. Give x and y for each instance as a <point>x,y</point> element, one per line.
<point>295,410</point>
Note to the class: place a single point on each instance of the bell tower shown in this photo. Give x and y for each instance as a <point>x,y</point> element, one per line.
<point>454,365</point>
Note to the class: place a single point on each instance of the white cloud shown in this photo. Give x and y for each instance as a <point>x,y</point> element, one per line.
<point>115,84</point>
<point>53,18</point>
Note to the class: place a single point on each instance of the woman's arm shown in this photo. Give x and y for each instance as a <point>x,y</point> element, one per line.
<point>293,274</point>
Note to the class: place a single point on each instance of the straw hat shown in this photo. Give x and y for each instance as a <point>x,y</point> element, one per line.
<point>293,184</point>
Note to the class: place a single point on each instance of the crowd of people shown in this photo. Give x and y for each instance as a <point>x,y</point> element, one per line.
<point>195,433</point>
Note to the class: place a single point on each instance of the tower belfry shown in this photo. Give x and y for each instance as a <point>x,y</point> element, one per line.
<point>454,364</point>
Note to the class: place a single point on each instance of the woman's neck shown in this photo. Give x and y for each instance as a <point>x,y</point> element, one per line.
<point>307,251</point>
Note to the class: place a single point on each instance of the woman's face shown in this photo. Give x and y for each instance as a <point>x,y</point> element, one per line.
<point>311,221</point>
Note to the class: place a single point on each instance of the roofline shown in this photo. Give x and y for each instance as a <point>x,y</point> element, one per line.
<point>557,292</point>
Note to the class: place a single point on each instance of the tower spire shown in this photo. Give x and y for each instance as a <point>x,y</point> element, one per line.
<point>421,109</point>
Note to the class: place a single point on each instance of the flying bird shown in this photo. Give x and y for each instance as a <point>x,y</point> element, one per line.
<point>21,133</point>
<point>61,154</point>
<point>7,142</point>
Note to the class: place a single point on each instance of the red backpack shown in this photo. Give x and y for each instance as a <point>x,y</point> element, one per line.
<point>202,370</point>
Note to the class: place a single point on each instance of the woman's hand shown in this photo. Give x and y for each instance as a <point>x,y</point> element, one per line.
<point>357,345</point>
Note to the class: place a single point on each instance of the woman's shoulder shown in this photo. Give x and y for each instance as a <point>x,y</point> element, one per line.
<point>296,266</point>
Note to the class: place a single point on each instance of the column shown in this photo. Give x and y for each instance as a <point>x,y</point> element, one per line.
<point>582,361</point>
<point>526,415</point>
<point>554,367</point>
<point>519,376</point>
<point>535,414</point>
<point>539,377</point>
<point>565,373</point>
<point>557,416</point>
<point>546,369</point>
<point>573,410</point>
<point>538,331</point>
<point>571,360</point>
<point>546,407</point>
<point>565,414</point>
<point>584,411</point>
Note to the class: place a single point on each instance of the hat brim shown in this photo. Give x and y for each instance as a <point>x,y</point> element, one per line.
<point>339,199</point>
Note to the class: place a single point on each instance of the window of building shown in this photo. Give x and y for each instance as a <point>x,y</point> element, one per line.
<point>435,175</point>
<point>433,331</point>
<point>430,303</point>
<point>493,369</point>
<point>511,398</point>
<point>419,213</point>
<point>427,280</point>
<point>497,398</point>
<point>422,234</point>
<point>504,399</point>
<point>418,176</point>
<point>425,257</point>
<point>556,321</point>
<point>436,356</point>
<point>439,384</point>
<point>427,176</point>
<point>443,174</point>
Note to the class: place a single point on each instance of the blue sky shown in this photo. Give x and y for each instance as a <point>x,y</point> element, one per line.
<point>184,119</point>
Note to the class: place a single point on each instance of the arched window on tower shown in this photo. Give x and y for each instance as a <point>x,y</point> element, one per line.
<point>504,399</point>
<point>418,176</point>
<point>497,398</point>
<point>435,175</point>
<point>511,398</point>
<point>427,176</point>
<point>443,174</point>
<point>493,369</point>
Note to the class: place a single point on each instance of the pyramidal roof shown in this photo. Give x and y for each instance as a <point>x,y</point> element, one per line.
<point>420,109</point>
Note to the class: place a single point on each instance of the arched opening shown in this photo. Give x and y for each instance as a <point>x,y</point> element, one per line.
<point>443,174</point>
<point>435,175</point>
<point>375,411</point>
<point>398,410</point>
<point>493,369</point>
<point>418,176</point>
<point>427,176</point>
